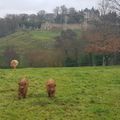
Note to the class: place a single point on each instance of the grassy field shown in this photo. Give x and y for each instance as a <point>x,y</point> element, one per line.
<point>45,35</point>
<point>30,39</point>
<point>86,93</point>
<point>25,40</point>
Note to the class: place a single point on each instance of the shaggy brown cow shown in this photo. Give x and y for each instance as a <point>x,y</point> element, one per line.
<point>51,88</point>
<point>14,64</point>
<point>23,87</point>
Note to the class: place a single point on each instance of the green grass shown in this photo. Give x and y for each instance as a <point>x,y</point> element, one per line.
<point>30,39</point>
<point>26,40</point>
<point>45,35</point>
<point>86,93</point>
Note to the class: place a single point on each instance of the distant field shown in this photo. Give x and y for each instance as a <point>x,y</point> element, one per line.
<point>25,40</point>
<point>86,93</point>
<point>45,35</point>
<point>30,39</point>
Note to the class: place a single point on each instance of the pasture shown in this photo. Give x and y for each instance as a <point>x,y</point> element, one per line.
<point>27,40</point>
<point>86,93</point>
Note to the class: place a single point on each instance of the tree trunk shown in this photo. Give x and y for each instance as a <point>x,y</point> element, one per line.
<point>76,56</point>
<point>115,58</point>
<point>90,59</point>
<point>104,63</point>
<point>93,60</point>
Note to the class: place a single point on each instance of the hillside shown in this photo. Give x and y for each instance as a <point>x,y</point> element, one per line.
<point>87,93</point>
<point>33,48</point>
<point>25,40</point>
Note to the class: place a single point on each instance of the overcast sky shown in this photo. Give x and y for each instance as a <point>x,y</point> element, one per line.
<point>33,6</point>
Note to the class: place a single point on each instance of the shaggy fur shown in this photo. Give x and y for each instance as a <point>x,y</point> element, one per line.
<point>51,88</point>
<point>23,88</point>
<point>14,64</point>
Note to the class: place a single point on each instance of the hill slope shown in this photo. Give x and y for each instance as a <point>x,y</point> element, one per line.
<point>82,94</point>
<point>24,40</point>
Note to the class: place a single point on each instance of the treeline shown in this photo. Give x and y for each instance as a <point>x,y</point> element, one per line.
<point>60,15</point>
<point>103,37</point>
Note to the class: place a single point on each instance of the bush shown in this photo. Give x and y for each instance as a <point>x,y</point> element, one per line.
<point>70,63</point>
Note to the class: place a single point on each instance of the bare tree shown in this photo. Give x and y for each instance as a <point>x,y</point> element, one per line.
<point>103,36</point>
<point>104,7</point>
<point>57,11</point>
<point>115,5</point>
<point>69,44</point>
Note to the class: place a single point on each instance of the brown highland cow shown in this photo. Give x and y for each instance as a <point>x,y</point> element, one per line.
<point>51,88</point>
<point>23,88</point>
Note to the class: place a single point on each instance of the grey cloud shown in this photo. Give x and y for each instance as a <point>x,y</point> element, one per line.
<point>33,6</point>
